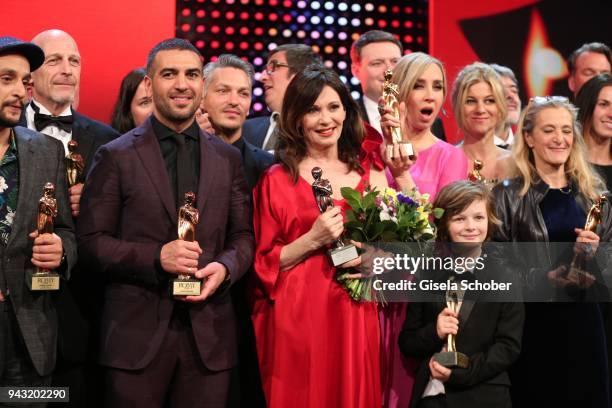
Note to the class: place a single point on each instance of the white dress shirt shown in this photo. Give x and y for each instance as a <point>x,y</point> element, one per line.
<point>500,142</point>
<point>50,130</point>
<point>269,141</point>
<point>373,114</point>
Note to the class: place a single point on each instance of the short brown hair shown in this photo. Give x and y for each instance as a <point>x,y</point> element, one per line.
<point>596,47</point>
<point>456,197</point>
<point>299,56</point>
<point>370,37</point>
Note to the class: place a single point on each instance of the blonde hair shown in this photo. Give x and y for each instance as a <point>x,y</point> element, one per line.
<point>577,167</point>
<point>455,197</point>
<point>410,68</point>
<point>471,75</point>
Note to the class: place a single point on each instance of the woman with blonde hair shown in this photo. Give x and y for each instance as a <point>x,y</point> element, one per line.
<point>548,202</point>
<point>480,110</point>
<point>422,88</point>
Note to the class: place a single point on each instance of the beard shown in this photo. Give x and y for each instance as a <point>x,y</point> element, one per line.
<point>7,121</point>
<point>163,107</point>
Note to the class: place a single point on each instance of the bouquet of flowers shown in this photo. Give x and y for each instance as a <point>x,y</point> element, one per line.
<point>385,216</point>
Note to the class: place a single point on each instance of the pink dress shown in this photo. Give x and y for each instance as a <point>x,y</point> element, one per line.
<point>436,166</point>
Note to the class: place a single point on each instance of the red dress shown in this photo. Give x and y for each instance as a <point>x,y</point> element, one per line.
<point>317,348</point>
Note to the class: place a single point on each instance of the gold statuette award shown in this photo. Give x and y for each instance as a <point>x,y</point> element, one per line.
<point>577,272</point>
<point>389,95</point>
<point>75,165</point>
<point>44,279</point>
<point>451,357</point>
<point>188,217</point>
<point>322,189</point>
<point>477,177</point>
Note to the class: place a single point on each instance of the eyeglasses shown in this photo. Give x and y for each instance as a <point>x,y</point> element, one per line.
<point>273,65</point>
<point>538,100</point>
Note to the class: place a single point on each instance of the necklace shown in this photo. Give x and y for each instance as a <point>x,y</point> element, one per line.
<point>566,190</point>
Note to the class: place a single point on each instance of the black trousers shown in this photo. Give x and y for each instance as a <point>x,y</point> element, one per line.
<point>175,378</point>
<point>16,368</point>
<point>437,401</point>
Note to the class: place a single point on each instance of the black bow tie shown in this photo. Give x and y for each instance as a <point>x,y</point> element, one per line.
<point>64,123</point>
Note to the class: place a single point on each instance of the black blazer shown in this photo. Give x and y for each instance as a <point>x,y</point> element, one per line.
<point>254,130</point>
<point>128,212</point>
<point>437,128</point>
<point>255,162</point>
<point>78,301</point>
<point>489,334</point>
<point>40,161</point>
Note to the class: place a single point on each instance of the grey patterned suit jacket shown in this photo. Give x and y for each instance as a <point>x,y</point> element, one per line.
<point>40,161</point>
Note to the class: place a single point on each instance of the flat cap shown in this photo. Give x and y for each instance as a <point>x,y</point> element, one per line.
<point>32,52</point>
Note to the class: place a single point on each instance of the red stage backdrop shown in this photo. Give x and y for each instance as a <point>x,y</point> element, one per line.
<point>114,37</point>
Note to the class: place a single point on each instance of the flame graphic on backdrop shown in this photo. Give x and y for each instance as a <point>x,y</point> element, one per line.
<point>542,64</point>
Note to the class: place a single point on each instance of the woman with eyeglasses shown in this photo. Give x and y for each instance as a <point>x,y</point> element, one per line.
<point>563,362</point>
<point>479,106</point>
<point>422,88</point>
<point>317,347</point>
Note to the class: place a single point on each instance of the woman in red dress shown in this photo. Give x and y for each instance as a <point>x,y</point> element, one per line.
<point>316,346</point>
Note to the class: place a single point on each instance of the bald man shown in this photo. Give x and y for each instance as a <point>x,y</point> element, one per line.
<point>56,84</point>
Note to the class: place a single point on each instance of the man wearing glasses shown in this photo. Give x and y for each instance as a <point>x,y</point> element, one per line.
<point>283,63</point>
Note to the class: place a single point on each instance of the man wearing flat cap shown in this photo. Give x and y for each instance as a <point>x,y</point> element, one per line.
<point>28,160</point>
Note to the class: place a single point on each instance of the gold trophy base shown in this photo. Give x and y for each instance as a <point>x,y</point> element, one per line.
<point>406,149</point>
<point>341,255</point>
<point>186,286</point>
<point>452,359</point>
<point>45,281</point>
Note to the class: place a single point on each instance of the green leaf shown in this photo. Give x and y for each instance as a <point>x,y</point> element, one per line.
<point>352,197</point>
<point>369,200</point>
<point>438,213</point>
<point>358,235</point>
<point>389,236</point>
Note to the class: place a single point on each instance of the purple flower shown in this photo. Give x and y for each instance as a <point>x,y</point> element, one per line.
<point>406,200</point>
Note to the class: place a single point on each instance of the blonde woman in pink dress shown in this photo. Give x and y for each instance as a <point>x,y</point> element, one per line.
<point>422,88</point>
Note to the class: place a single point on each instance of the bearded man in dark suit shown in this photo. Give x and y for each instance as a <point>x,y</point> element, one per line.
<point>158,348</point>
<point>28,160</point>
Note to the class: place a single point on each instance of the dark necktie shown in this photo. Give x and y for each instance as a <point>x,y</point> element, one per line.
<point>184,169</point>
<point>504,146</point>
<point>41,120</point>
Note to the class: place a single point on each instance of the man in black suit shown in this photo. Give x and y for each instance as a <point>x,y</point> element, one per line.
<point>28,160</point>
<point>50,112</point>
<point>586,62</point>
<point>373,53</point>
<point>227,98</point>
<point>283,63</point>
<point>160,349</point>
